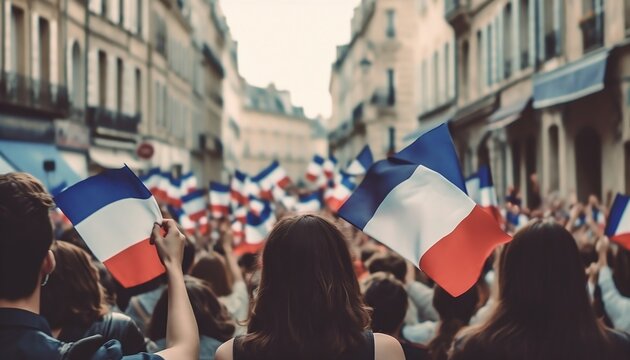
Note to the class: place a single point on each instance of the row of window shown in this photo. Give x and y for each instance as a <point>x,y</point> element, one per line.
<point>127,13</point>
<point>437,77</point>
<point>170,114</point>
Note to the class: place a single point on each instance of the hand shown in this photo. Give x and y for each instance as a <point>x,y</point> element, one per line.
<point>592,273</point>
<point>576,210</point>
<point>225,232</point>
<point>601,247</point>
<point>170,246</point>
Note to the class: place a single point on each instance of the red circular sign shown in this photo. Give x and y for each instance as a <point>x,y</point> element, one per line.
<point>145,151</point>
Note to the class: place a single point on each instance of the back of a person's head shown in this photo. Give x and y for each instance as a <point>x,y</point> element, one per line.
<point>212,317</point>
<point>543,310</point>
<point>73,294</point>
<point>248,262</point>
<point>390,263</point>
<point>455,313</point>
<point>308,303</point>
<point>389,301</point>
<point>26,233</point>
<point>212,269</point>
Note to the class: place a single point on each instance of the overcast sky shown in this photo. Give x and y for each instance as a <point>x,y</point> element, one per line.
<point>291,43</point>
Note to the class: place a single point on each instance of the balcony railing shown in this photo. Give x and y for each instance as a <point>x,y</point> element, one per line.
<point>24,92</point>
<point>592,31</point>
<point>99,117</point>
<point>384,97</point>
<point>456,13</point>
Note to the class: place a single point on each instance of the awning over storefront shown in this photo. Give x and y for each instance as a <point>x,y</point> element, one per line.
<point>35,158</point>
<point>114,158</point>
<point>508,114</point>
<point>572,81</point>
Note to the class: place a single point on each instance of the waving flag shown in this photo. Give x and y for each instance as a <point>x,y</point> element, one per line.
<point>415,203</point>
<point>256,205</point>
<point>188,183</point>
<point>152,179</point>
<point>329,167</point>
<point>174,192</point>
<point>481,190</point>
<point>238,191</point>
<point>362,163</point>
<point>195,205</point>
<point>315,168</point>
<point>219,200</point>
<point>309,203</point>
<point>271,176</point>
<point>341,192</point>
<point>618,228</point>
<point>259,225</point>
<point>114,213</point>
<point>240,214</point>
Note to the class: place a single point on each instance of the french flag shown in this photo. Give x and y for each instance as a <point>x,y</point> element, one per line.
<point>273,175</point>
<point>341,192</point>
<point>114,213</point>
<point>195,205</point>
<point>415,202</point>
<point>219,200</point>
<point>240,214</point>
<point>315,168</point>
<point>481,190</point>
<point>309,203</point>
<point>362,163</point>
<point>259,225</point>
<point>189,183</point>
<point>329,167</point>
<point>237,188</point>
<point>618,228</point>
<point>152,179</point>
<point>174,192</point>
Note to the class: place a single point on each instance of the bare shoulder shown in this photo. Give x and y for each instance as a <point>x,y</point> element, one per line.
<point>387,348</point>
<point>224,352</point>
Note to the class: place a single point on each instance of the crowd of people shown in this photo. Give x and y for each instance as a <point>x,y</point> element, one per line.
<point>319,289</point>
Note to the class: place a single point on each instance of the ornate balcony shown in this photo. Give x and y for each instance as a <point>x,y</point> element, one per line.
<point>457,13</point>
<point>99,117</point>
<point>33,95</point>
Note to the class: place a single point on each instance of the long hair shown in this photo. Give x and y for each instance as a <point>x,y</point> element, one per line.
<point>212,317</point>
<point>309,304</point>
<point>455,313</point>
<point>543,310</point>
<point>73,295</point>
<point>212,269</point>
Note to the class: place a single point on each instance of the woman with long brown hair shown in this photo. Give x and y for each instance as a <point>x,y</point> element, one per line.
<point>309,305</point>
<point>543,309</point>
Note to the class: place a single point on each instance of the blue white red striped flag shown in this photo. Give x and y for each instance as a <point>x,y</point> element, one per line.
<point>362,163</point>
<point>618,228</point>
<point>415,203</point>
<point>114,213</point>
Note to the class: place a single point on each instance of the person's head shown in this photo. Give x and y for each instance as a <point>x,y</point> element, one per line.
<point>543,306</point>
<point>212,318</point>
<point>389,301</point>
<point>73,295</point>
<point>455,313</point>
<point>248,262</point>
<point>25,236</point>
<point>308,303</point>
<point>390,263</point>
<point>213,269</point>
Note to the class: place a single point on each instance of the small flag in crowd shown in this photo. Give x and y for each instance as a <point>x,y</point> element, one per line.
<point>219,200</point>
<point>618,228</point>
<point>259,224</point>
<point>237,188</point>
<point>194,205</point>
<point>188,183</point>
<point>481,190</point>
<point>271,176</point>
<point>362,163</point>
<point>415,203</point>
<point>329,167</point>
<point>114,213</point>
<point>343,188</point>
<point>309,203</point>
<point>315,168</point>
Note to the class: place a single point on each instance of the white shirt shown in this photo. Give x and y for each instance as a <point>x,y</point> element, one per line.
<point>616,305</point>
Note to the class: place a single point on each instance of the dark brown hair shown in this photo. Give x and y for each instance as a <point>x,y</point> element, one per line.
<point>388,299</point>
<point>309,305</point>
<point>73,295</point>
<point>212,269</point>
<point>212,318</point>
<point>390,263</point>
<point>26,233</point>
<point>543,310</point>
<point>455,313</point>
